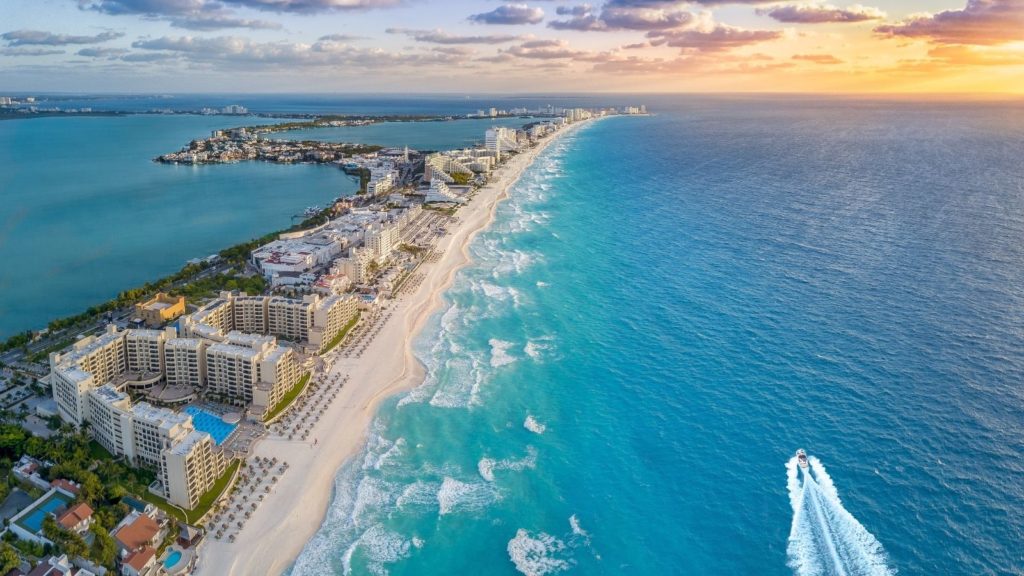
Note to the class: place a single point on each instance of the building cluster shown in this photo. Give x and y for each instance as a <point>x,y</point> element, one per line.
<point>137,535</point>
<point>240,144</point>
<point>254,322</point>
<point>228,350</point>
<point>342,251</point>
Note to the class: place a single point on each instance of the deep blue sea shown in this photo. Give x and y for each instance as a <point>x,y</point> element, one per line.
<point>667,307</point>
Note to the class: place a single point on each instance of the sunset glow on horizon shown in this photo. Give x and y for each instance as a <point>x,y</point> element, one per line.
<point>892,46</point>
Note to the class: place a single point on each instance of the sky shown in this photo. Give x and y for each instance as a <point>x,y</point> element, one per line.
<point>536,46</point>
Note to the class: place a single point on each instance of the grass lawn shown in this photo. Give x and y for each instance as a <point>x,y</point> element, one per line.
<point>205,502</point>
<point>288,398</point>
<point>342,333</point>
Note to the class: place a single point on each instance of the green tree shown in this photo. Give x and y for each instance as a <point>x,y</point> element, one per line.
<point>9,558</point>
<point>104,549</point>
<point>70,543</point>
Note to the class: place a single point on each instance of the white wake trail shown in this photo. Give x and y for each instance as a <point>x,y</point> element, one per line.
<point>825,539</point>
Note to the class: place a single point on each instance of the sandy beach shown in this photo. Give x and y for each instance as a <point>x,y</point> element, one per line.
<point>294,510</point>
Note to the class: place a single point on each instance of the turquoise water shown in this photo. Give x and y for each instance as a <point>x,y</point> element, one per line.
<point>212,424</point>
<point>34,520</point>
<point>667,307</point>
<point>415,135</point>
<point>86,213</point>
<point>172,559</point>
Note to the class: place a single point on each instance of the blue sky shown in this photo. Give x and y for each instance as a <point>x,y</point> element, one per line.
<point>491,46</point>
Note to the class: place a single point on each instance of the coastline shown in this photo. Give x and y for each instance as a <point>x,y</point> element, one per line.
<point>295,509</point>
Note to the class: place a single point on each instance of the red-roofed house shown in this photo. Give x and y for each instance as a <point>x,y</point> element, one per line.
<point>65,485</point>
<point>138,533</point>
<point>142,562</point>
<point>77,518</point>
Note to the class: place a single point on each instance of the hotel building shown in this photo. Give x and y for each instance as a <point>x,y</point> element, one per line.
<point>187,461</point>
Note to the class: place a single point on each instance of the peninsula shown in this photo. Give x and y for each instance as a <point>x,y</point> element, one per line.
<point>219,415</point>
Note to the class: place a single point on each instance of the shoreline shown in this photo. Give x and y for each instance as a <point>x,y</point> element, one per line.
<point>296,507</point>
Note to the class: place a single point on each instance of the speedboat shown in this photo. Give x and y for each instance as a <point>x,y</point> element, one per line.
<point>801,458</point>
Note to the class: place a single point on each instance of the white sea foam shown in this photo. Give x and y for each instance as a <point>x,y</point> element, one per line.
<point>383,452</point>
<point>371,494</point>
<point>533,425</point>
<point>542,284</point>
<point>487,466</point>
<point>537,555</point>
<point>499,352</point>
<point>456,495</point>
<point>419,493</point>
<point>825,539</point>
<point>574,523</point>
<point>379,546</point>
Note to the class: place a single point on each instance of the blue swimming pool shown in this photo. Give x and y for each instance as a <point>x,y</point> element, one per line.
<point>33,521</point>
<point>172,559</point>
<point>210,423</point>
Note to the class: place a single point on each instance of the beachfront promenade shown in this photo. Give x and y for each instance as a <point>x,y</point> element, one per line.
<point>294,507</point>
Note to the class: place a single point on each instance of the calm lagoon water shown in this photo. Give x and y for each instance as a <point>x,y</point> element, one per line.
<point>85,213</point>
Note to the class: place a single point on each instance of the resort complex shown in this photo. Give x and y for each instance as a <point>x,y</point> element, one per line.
<point>184,393</point>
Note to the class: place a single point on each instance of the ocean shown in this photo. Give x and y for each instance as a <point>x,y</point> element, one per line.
<point>669,306</point>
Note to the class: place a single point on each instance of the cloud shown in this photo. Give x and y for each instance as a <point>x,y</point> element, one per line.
<point>41,38</point>
<point>981,22</point>
<point>545,50</point>
<point>439,36</point>
<point>820,13</point>
<point>200,21</point>
<point>339,38</point>
<point>183,7</point>
<point>718,38</point>
<point>975,56</point>
<point>818,58</point>
<point>231,51</point>
<point>101,52</point>
<point>510,14</point>
<point>29,51</point>
<point>313,6</point>
<point>619,15</point>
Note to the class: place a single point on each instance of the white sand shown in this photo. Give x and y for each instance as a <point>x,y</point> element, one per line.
<point>291,514</point>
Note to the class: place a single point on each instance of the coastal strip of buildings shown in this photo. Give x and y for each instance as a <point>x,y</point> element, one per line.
<point>248,352</point>
<point>229,351</point>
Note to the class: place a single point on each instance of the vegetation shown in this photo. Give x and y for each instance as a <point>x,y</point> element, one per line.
<point>211,285</point>
<point>67,541</point>
<point>411,249</point>
<point>104,482</point>
<point>103,549</point>
<point>9,558</point>
<point>342,333</point>
<point>462,179</point>
<point>16,341</point>
<point>288,398</point>
<point>205,503</point>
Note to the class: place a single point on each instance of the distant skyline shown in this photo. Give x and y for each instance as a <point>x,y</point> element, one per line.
<point>898,46</point>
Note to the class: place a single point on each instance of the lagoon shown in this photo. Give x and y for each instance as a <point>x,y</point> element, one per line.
<point>85,213</point>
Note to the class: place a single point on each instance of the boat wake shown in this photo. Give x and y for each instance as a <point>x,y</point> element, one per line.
<point>825,539</point>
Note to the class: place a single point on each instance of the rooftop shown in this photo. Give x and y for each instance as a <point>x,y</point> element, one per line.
<point>138,533</point>
<point>138,559</point>
<point>75,515</point>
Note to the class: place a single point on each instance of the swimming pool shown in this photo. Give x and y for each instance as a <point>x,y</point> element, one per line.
<point>210,423</point>
<point>172,559</point>
<point>33,521</point>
